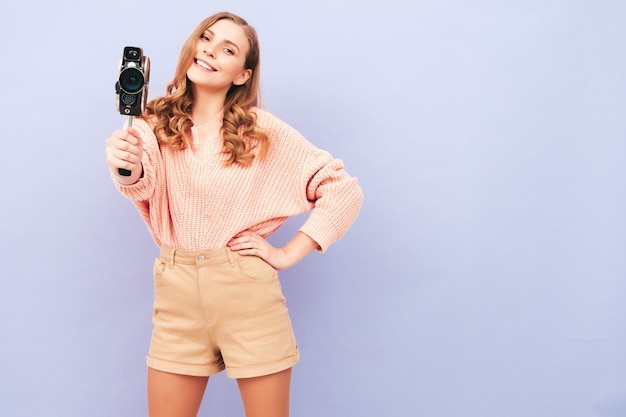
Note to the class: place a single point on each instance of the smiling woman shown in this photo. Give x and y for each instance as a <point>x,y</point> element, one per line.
<point>233,86</point>
<point>213,176</point>
<point>484,276</point>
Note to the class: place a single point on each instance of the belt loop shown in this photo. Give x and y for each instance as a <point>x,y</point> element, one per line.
<point>231,256</point>
<point>172,258</point>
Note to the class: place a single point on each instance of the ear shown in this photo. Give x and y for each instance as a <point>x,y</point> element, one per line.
<point>243,77</point>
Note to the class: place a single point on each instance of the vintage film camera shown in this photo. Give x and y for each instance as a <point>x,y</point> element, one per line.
<point>131,88</point>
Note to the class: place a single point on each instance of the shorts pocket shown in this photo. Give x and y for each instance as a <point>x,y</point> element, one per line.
<point>158,270</point>
<point>254,268</point>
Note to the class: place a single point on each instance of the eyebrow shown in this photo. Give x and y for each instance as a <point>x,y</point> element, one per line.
<point>226,41</point>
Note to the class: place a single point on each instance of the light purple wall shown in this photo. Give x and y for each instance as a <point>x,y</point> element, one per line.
<point>485,276</point>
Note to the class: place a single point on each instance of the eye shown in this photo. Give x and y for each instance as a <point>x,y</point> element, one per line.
<point>204,37</point>
<point>229,51</point>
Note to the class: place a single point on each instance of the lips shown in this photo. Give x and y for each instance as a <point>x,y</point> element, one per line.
<point>204,65</point>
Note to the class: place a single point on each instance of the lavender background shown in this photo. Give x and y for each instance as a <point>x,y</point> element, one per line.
<point>485,276</point>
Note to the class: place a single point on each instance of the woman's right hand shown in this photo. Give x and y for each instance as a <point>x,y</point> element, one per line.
<point>124,149</point>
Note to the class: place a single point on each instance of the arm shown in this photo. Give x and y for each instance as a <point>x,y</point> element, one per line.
<point>337,199</point>
<point>248,243</point>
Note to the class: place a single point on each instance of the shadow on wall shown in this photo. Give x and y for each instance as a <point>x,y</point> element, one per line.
<point>615,407</point>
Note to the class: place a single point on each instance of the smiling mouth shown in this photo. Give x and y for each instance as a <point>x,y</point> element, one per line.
<point>204,65</point>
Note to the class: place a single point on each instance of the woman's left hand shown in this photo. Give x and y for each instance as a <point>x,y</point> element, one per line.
<point>253,244</point>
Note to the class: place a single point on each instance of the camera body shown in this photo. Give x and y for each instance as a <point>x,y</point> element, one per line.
<point>131,88</point>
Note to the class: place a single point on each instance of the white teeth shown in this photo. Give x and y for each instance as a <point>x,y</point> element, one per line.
<point>204,65</point>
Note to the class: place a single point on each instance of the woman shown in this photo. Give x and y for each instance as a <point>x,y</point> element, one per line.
<point>213,176</point>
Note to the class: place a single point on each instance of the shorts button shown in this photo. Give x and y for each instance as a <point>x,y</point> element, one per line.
<point>201,258</point>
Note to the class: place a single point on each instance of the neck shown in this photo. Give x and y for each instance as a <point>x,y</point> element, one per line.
<point>206,105</point>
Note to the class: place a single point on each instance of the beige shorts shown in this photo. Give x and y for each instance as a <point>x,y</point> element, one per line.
<point>216,310</point>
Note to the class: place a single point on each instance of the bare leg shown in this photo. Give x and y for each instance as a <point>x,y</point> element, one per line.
<point>266,396</point>
<point>173,395</point>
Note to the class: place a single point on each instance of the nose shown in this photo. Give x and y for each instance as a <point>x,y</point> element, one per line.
<point>209,51</point>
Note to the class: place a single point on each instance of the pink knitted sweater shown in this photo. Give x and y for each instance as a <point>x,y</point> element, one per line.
<point>189,200</point>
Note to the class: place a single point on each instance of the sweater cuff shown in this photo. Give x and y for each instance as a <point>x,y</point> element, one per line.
<point>320,231</point>
<point>142,189</point>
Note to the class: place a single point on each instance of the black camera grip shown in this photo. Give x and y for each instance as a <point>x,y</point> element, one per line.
<point>124,172</point>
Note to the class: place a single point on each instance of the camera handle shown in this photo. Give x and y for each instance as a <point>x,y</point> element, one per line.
<point>124,172</point>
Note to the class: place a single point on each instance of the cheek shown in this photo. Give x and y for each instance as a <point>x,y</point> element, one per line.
<point>235,68</point>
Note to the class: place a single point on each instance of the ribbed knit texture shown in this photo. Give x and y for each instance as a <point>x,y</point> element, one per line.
<point>189,200</point>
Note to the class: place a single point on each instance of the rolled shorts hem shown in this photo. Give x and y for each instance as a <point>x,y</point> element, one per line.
<point>262,370</point>
<point>211,370</point>
<point>183,368</point>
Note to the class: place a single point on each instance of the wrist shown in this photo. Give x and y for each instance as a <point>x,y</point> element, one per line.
<point>298,248</point>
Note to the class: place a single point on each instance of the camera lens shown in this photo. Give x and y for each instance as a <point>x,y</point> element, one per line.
<point>131,80</point>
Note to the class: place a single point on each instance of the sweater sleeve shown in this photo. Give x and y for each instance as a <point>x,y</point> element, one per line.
<point>336,197</point>
<point>141,192</point>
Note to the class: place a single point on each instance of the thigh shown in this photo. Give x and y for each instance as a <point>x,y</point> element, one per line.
<point>266,396</point>
<point>173,395</point>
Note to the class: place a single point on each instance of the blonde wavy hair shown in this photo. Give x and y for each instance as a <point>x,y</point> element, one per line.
<point>239,132</point>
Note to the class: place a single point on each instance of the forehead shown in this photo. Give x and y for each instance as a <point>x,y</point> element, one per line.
<point>227,30</point>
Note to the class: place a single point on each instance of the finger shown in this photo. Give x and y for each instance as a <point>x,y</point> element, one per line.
<point>127,157</point>
<point>246,245</point>
<point>121,137</point>
<point>133,135</point>
<point>243,247</point>
<point>115,137</point>
<point>240,237</point>
<point>115,161</point>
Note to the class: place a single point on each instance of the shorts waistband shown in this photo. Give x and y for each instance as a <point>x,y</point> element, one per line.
<point>202,257</point>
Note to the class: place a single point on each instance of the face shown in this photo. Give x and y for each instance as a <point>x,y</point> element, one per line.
<point>220,57</point>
